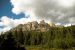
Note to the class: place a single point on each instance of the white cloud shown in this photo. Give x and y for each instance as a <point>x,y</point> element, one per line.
<point>5,21</point>
<point>45,9</point>
<point>58,24</point>
<point>67,25</point>
<point>1,24</point>
<point>48,10</point>
<point>66,3</point>
<point>8,23</point>
<point>6,29</point>
<point>72,20</point>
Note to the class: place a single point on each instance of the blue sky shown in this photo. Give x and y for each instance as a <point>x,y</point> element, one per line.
<point>5,10</point>
<point>7,14</point>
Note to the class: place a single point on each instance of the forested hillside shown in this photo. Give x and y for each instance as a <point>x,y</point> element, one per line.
<point>55,37</point>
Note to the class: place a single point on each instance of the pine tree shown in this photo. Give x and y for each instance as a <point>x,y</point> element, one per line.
<point>9,43</point>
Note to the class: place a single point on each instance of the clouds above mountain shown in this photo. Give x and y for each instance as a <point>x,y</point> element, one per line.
<point>7,23</point>
<point>61,12</point>
<point>54,10</point>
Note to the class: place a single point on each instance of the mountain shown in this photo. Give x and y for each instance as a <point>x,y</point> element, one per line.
<point>42,26</point>
<point>41,34</point>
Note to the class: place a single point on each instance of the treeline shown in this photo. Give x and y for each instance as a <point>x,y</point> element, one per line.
<point>54,38</point>
<point>8,42</point>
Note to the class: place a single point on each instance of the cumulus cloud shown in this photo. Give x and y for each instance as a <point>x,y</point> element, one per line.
<point>57,11</point>
<point>1,24</point>
<point>5,29</point>
<point>67,25</point>
<point>8,23</point>
<point>53,10</point>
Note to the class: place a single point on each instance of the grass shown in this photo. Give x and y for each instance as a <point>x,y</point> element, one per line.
<point>44,48</point>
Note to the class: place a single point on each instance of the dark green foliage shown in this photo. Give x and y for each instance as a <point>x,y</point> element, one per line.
<point>54,38</point>
<point>9,43</point>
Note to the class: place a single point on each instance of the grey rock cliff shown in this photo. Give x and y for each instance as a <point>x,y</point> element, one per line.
<point>42,26</point>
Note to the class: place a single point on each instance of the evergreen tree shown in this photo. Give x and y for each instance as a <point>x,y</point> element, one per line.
<point>9,43</point>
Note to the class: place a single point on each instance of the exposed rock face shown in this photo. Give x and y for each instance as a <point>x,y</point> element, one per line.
<point>24,28</point>
<point>42,26</point>
<point>42,22</point>
<point>51,24</point>
<point>29,25</point>
<point>34,25</point>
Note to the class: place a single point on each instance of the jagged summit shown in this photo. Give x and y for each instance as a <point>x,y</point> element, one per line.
<point>42,26</point>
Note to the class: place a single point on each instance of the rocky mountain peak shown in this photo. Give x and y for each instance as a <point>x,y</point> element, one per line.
<point>42,26</point>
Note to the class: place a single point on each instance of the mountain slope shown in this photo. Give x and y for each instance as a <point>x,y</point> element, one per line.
<point>51,37</point>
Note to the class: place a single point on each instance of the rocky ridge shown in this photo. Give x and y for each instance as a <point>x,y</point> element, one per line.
<point>42,26</point>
